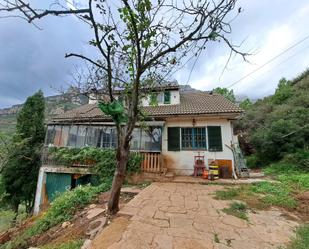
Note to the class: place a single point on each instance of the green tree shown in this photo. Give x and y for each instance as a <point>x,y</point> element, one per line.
<point>245,104</point>
<point>21,168</point>
<point>229,94</point>
<point>283,91</point>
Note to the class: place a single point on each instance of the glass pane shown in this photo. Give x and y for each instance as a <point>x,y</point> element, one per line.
<point>108,137</point>
<point>64,136</point>
<point>151,139</point>
<point>57,137</point>
<point>50,135</point>
<point>136,139</point>
<point>93,136</point>
<point>186,138</point>
<point>72,136</point>
<point>81,134</point>
<point>200,138</point>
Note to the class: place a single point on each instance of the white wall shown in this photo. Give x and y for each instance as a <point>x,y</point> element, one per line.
<point>181,162</point>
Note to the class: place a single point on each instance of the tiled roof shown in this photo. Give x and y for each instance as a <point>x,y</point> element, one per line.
<point>195,103</point>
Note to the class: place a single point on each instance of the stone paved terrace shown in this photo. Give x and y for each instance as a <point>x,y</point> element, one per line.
<point>180,215</point>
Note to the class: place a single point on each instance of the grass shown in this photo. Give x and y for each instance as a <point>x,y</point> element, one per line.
<point>72,244</point>
<point>261,195</point>
<point>302,238</point>
<point>62,209</point>
<point>237,209</point>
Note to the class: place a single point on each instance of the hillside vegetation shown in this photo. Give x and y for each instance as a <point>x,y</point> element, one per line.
<point>276,128</point>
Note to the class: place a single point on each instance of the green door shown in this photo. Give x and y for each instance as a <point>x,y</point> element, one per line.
<point>57,183</point>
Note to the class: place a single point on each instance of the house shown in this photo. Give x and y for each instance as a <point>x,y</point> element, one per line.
<point>181,123</point>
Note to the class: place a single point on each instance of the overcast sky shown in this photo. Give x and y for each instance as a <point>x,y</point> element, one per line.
<point>32,59</point>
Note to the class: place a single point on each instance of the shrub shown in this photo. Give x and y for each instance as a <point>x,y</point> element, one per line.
<point>252,162</point>
<point>299,160</point>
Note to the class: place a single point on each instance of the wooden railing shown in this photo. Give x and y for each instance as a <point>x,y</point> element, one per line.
<point>152,162</point>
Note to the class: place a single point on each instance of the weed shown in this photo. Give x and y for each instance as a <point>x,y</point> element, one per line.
<point>302,238</point>
<point>67,245</point>
<point>216,238</point>
<point>228,194</point>
<point>237,209</point>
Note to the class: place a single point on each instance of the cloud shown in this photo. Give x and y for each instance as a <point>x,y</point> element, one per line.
<point>31,59</point>
<point>277,34</point>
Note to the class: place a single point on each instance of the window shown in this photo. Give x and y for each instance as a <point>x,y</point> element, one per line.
<point>72,136</point>
<point>57,137</point>
<point>151,139</point>
<point>50,134</point>
<point>193,138</point>
<point>167,97</point>
<point>64,136</point>
<point>93,136</point>
<point>81,134</point>
<point>108,137</point>
<point>214,138</point>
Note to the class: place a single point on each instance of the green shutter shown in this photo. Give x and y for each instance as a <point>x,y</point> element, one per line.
<point>214,138</point>
<point>173,138</point>
<point>167,97</point>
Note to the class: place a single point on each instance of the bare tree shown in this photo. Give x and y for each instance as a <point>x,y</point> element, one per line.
<point>137,40</point>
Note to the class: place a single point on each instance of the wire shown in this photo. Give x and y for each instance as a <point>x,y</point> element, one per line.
<point>269,61</point>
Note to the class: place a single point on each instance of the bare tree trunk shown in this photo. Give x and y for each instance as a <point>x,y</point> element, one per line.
<point>119,176</point>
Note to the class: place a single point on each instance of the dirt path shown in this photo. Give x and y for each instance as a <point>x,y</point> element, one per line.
<point>178,215</point>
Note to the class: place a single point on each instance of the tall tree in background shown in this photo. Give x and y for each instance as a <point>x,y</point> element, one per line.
<point>21,168</point>
<point>137,40</point>
<point>229,94</point>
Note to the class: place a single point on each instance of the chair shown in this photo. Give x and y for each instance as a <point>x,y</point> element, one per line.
<point>199,164</point>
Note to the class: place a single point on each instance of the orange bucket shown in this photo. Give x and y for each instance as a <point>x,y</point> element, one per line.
<point>205,174</point>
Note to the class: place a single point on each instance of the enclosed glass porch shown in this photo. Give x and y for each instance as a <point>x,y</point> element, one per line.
<point>147,141</point>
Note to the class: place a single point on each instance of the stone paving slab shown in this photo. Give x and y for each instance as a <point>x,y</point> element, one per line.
<point>181,215</point>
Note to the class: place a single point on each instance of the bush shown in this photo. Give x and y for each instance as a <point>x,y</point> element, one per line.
<point>104,159</point>
<point>299,160</point>
<point>252,162</point>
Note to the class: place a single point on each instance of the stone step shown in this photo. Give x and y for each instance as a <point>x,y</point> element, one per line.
<point>170,174</point>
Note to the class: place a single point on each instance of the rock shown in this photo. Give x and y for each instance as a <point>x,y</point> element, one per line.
<point>86,244</point>
<point>94,212</point>
<point>66,224</point>
<point>92,206</point>
<point>96,226</point>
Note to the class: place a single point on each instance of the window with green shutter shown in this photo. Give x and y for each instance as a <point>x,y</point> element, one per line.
<point>167,97</point>
<point>173,138</point>
<point>214,138</point>
<point>193,138</point>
